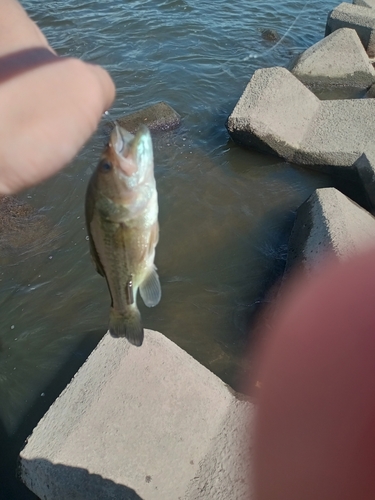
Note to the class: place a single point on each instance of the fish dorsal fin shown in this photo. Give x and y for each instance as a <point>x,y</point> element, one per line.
<point>150,289</point>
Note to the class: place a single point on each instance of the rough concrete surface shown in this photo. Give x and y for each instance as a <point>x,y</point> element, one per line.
<point>370,94</point>
<point>328,222</point>
<point>365,166</point>
<point>339,133</point>
<point>276,109</point>
<point>158,117</point>
<point>146,423</point>
<point>278,114</point>
<point>362,19</point>
<point>338,59</point>
<point>365,3</point>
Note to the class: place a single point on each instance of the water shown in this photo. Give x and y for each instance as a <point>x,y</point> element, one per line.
<point>225,213</point>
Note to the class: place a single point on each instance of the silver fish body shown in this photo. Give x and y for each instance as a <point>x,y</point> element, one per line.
<point>122,222</point>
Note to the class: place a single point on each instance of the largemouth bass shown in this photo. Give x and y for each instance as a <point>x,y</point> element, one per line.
<point>122,222</point>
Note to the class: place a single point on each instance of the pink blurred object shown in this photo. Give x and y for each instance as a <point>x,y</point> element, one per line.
<point>315,427</point>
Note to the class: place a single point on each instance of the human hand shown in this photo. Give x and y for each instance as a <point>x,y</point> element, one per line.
<point>50,106</point>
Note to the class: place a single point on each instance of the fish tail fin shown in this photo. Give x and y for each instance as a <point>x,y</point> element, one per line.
<point>127,325</point>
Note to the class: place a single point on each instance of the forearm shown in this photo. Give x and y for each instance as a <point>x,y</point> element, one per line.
<point>17,30</point>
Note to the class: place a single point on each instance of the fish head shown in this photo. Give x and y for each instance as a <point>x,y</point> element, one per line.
<point>128,160</point>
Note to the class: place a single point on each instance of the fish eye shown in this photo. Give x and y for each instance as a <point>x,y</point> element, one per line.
<point>106,166</point>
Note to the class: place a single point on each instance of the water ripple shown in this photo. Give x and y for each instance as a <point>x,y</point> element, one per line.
<point>223,210</point>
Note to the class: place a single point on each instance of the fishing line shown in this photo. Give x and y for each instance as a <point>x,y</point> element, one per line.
<point>108,118</point>
<point>256,56</point>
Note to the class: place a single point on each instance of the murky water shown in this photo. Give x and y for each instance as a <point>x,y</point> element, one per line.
<point>225,213</point>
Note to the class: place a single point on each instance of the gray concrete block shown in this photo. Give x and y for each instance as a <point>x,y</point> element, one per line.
<point>274,112</point>
<point>279,114</point>
<point>365,166</point>
<point>328,223</point>
<point>365,3</point>
<point>370,94</point>
<point>338,59</point>
<point>362,19</point>
<point>339,133</point>
<point>158,117</point>
<point>146,423</point>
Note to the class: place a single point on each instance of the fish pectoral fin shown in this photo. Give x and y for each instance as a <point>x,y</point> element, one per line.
<point>150,289</point>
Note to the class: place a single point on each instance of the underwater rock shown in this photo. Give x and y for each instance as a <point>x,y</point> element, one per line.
<point>158,117</point>
<point>270,35</point>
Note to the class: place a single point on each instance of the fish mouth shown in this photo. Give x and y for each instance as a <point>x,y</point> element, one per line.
<point>133,152</point>
<point>121,140</point>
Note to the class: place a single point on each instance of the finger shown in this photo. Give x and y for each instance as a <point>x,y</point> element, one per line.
<point>106,84</point>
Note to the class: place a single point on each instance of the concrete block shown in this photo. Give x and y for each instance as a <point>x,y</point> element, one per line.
<point>158,117</point>
<point>338,59</point>
<point>328,223</point>
<point>268,115</point>
<point>365,3</point>
<point>338,134</point>
<point>365,166</point>
<point>362,19</point>
<point>279,114</point>
<point>146,423</point>
<point>370,94</point>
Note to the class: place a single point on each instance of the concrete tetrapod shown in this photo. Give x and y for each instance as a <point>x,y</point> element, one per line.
<point>146,423</point>
<point>338,59</point>
<point>365,3</point>
<point>358,17</point>
<point>366,170</point>
<point>279,115</point>
<point>328,223</point>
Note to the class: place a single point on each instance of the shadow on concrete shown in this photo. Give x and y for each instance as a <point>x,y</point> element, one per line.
<point>10,446</point>
<point>65,482</point>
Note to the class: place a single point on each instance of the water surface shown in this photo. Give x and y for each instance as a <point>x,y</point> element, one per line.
<point>225,213</point>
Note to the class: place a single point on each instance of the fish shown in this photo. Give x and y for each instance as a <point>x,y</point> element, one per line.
<point>121,210</point>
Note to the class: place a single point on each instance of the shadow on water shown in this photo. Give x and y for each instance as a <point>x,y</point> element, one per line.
<point>75,482</point>
<point>272,246</point>
<point>10,446</point>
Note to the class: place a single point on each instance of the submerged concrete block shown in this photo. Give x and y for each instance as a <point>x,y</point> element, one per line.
<point>328,223</point>
<point>338,59</point>
<point>146,423</point>
<point>158,117</point>
<point>361,19</point>
<point>279,114</point>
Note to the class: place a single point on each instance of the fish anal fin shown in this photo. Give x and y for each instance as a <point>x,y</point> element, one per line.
<point>150,289</point>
